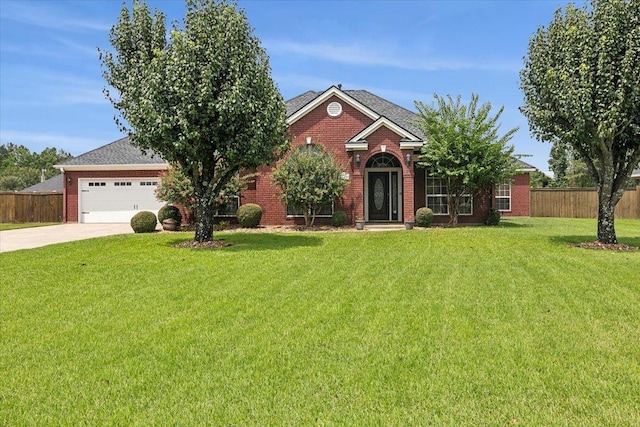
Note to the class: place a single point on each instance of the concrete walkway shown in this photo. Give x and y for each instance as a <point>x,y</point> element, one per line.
<point>35,237</point>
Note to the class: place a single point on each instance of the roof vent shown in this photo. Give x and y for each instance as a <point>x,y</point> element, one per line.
<point>334,109</point>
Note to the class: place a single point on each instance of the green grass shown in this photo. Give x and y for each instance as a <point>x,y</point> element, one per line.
<point>12,226</point>
<point>468,326</point>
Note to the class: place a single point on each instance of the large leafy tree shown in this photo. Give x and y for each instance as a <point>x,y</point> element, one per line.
<point>463,147</point>
<point>21,168</point>
<point>203,99</point>
<point>581,81</point>
<point>309,178</point>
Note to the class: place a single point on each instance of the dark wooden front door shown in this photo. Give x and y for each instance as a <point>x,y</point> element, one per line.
<point>378,196</point>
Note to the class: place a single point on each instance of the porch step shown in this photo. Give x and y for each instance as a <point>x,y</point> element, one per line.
<point>383,227</point>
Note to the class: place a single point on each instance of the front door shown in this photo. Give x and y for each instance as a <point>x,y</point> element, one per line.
<point>379,196</point>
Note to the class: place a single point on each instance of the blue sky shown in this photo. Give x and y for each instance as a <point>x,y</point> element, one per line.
<point>51,83</point>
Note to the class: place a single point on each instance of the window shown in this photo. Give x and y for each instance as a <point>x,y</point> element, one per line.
<point>122,184</point>
<point>324,211</point>
<point>437,198</point>
<point>97,184</point>
<point>503,197</point>
<point>148,183</point>
<point>230,209</point>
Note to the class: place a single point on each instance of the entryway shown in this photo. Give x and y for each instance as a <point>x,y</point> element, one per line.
<point>383,192</point>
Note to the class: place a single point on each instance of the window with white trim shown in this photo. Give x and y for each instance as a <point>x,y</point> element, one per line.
<point>438,199</point>
<point>230,209</point>
<point>503,197</point>
<point>324,211</point>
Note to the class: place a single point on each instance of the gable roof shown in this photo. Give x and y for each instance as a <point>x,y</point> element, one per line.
<point>369,104</point>
<point>524,166</point>
<point>118,155</point>
<point>52,184</point>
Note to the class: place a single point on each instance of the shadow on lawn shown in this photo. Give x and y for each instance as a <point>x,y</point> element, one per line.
<point>262,241</point>
<point>573,240</point>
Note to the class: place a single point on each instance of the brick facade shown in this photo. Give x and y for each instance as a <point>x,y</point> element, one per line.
<point>379,126</point>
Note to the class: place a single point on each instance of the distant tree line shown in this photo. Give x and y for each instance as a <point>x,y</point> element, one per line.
<point>21,168</point>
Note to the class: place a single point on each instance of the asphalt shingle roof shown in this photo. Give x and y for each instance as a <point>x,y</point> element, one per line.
<point>52,184</point>
<point>397,114</point>
<point>120,152</point>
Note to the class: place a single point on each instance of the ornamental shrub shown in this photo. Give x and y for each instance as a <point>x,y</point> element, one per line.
<point>424,217</point>
<point>493,217</point>
<point>249,215</point>
<point>339,218</point>
<point>168,211</point>
<point>144,222</point>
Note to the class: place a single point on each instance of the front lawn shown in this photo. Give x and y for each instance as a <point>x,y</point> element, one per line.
<point>509,325</point>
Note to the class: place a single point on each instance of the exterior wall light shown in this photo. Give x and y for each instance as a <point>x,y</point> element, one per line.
<point>357,157</point>
<point>407,158</point>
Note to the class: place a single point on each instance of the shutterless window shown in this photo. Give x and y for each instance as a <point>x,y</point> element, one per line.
<point>503,197</point>
<point>437,198</point>
<point>324,211</point>
<point>230,209</point>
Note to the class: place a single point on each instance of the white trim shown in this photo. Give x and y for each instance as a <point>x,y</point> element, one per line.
<point>427,195</point>
<point>525,170</point>
<point>356,146</point>
<point>405,144</point>
<point>140,167</point>
<point>332,91</point>
<point>498,196</point>
<point>383,121</point>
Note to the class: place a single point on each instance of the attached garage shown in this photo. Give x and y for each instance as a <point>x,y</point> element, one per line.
<point>111,184</point>
<point>108,200</point>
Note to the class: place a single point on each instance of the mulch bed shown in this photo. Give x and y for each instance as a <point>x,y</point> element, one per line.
<point>606,246</point>
<point>192,244</point>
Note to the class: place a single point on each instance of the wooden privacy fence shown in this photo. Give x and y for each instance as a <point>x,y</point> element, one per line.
<point>580,203</point>
<point>30,207</point>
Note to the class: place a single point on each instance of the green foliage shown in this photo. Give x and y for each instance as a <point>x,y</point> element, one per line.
<point>144,222</point>
<point>168,211</point>
<point>204,99</point>
<point>424,217</point>
<point>493,217</point>
<point>582,89</point>
<point>538,179</point>
<point>176,187</point>
<point>249,215</point>
<point>339,218</point>
<point>463,147</point>
<point>20,168</point>
<point>309,178</point>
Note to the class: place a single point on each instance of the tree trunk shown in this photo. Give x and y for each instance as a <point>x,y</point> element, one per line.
<point>454,209</point>
<point>608,198</point>
<point>204,212</point>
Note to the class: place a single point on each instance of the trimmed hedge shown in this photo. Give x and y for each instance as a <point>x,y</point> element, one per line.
<point>249,215</point>
<point>339,218</point>
<point>493,217</point>
<point>168,211</point>
<point>424,217</point>
<point>144,222</point>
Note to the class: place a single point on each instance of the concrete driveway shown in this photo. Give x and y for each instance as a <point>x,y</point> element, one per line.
<point>27,238</point>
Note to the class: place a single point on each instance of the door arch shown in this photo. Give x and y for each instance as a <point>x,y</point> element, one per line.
<point>383,188</point>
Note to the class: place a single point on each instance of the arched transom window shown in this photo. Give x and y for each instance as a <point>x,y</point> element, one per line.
<point>383,160</point>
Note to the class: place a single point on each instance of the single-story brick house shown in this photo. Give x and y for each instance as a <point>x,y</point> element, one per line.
<point>373,138</point>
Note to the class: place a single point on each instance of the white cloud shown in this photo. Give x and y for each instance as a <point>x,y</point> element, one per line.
<point>384,55</point>
<point>43,15</point>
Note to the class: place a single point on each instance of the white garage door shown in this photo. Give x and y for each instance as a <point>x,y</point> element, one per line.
<point>116,199</point>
